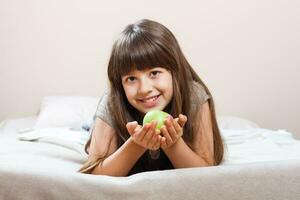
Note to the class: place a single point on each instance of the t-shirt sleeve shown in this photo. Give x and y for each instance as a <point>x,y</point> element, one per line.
<point>203,140</point>
<point>104,140</point>
<point>103,111</point>
<point>199,95</point>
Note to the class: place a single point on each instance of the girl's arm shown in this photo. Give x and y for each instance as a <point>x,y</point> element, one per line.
<point>182,156</point>
<point>120,161</point>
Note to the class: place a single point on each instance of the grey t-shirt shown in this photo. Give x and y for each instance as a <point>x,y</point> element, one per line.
<point>102,109</point>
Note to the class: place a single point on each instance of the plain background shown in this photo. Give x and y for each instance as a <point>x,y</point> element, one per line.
<point>247,52</point>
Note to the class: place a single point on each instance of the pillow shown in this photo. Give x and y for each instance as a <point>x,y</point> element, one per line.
<point>71,139</point>
<point>66,111</point>
<point>231,122</point>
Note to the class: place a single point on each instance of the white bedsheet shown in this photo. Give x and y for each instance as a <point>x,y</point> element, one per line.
<point>45,170</point>
<point>241,146</point>
<point>25,155</point>
<point>259,145</point>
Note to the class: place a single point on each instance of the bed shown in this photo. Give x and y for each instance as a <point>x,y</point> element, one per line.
<point>40,156</point>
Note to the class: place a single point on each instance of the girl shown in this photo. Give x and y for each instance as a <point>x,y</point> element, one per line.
<point>148,71</point>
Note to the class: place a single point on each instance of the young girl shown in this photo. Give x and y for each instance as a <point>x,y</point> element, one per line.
<point>148,71</point>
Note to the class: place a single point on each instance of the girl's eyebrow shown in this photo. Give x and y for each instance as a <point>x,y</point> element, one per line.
<point>131,73</point>
<point>128,75</point>
<point>156,68</point>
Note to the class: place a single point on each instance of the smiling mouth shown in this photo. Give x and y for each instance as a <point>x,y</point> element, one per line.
<point>151,99</point>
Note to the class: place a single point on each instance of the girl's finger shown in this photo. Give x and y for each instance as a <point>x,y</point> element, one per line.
<point>171,129</point>
<point>182,120</point>
<point>157,145</point>
<point>166,135</point>
<point>163,142</point>
<point>149,134</point>
<point>130,126</point>
<point>177,127</point>
<point>142,132</point>
<point>159,140</point>
<point>136,131</point>
<point>154,139</point>
<point>153,143</point>
<point>137,128</point>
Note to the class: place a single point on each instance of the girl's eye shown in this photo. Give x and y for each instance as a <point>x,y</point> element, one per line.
<point>131,79</point>
<point>154,73</point>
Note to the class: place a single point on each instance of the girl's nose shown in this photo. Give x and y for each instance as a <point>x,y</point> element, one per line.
<point>145,87</point>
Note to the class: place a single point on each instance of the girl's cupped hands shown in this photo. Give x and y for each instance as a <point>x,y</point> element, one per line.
<point>146,136</point>
<point>150,138</point>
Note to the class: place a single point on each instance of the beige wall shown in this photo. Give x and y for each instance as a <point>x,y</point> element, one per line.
<point>246,51</point>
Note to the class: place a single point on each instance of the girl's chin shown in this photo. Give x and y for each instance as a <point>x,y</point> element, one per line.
<point>145,110</point>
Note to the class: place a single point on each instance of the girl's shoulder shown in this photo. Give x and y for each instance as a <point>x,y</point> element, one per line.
<point>198,93</point>
<point>103,111</point>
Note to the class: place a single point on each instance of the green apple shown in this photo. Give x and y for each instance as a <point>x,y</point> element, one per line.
<point>156,115</point>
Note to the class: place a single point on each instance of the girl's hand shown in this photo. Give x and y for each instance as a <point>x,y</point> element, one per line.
<point>146,136</point>
<point>172,130</point>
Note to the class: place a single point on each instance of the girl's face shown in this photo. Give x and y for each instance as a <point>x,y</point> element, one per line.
<point>148,89</point>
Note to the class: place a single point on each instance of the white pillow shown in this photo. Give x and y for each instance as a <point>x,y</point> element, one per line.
<point>66,111</point>
<point>231,122</point>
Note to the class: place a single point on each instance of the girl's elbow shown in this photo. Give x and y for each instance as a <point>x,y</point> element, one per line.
<point>102,171</point>
<point>208,161</point>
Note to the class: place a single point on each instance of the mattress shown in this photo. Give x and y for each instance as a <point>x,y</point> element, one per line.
<point>259,164</point>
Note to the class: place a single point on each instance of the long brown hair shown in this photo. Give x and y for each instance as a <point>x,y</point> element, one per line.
<point>147,44</point>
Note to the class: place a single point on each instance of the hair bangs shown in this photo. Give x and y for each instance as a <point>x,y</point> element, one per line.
<point>138,52</point>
